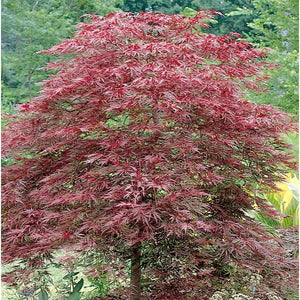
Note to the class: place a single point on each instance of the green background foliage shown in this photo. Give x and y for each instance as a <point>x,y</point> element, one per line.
<point>224,25</point>
<point>275,25</point>
<point>30,26</point>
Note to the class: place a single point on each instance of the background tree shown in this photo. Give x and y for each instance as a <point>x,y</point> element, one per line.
<point>143,148</point>
<point>223,25</point>
<point>276,25</point>
<point>226,24</point>
<point>30,26</point>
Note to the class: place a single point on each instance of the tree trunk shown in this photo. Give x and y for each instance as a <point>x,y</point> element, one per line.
<point>135,276</point>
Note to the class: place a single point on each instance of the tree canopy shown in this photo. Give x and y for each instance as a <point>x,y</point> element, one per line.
<point>37,25</point>
<point>142,146</point>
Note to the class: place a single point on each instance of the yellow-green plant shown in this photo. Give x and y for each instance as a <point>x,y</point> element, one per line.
<point>286,200</point>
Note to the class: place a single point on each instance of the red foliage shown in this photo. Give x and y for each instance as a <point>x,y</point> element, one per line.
<point>144,135</point>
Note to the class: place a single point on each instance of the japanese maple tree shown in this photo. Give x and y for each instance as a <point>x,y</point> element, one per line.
<point>143,147</point>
